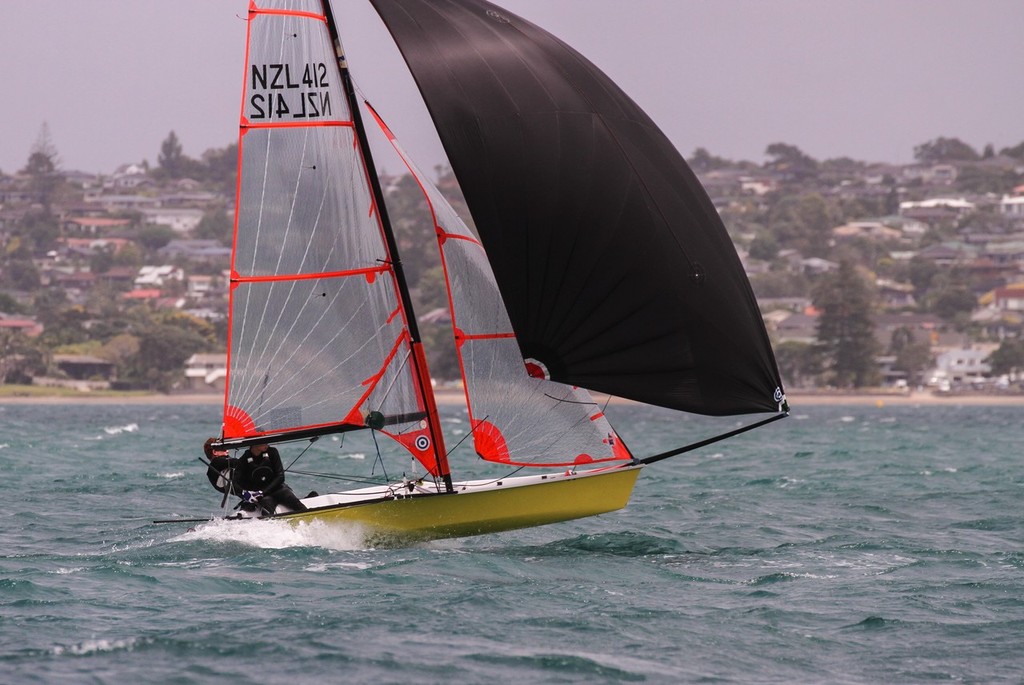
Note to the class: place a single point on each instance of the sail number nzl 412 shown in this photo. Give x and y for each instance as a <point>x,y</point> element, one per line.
<point>279,92</point>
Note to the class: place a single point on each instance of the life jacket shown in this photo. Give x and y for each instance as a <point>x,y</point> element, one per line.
<point>252,472</point>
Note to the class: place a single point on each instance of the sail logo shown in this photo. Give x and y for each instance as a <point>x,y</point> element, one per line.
<point>422,443</point>
<point>286,91</point>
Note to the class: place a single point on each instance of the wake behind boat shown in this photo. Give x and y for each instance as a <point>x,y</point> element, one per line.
<point>598,263</point>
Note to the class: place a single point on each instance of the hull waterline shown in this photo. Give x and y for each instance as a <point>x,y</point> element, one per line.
<point>476,507</point>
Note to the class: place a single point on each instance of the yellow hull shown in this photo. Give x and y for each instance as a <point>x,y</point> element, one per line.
<point>476,508</point>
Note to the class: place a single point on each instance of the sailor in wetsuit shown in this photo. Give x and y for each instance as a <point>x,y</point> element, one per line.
<point>220,468</point>
<point>257,476</point>
<point>259,470</point>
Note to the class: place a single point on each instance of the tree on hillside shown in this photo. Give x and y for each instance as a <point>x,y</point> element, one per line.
<point>43,169</point>
<point>764,247</point>
<point>215,225</point>
<point>1017,151</point>
<point>220,166</point>
<point>165,341</point>
<point>912,358</point>
<point>945,150</point>
<point>9,305</point>
<point>41,229</point>
<point>163,350</point>
<point>43,159</point>
<point>414,228</point>
<point>846,332</point>
<point>1008,358</point>
<point>791,160</point>
<point>172,162</point>
<point>953,301</point>
<point>701,161</point>
<point>21,358</point>
<point>798,362</point>
<point>803,222</point>
<point>154,236</point>
<point>974,179</point>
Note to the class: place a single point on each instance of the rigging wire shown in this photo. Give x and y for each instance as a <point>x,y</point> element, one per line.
<point>703,443</point>
<point>306,449</point>
<point>380,459</point>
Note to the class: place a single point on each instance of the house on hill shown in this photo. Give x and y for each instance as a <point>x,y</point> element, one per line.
<point>182,220</point>
<point>81,367</point>
<point>871,230</point>
<point>156,276</point>
<point>197,250</point>
<point>1009,299</point>
<point>206,372</point>
<point>25,325</point>
<point>93,225</point>
<point>1012,206</point>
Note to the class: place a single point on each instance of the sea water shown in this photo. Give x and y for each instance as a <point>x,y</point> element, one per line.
<point>849,544</point>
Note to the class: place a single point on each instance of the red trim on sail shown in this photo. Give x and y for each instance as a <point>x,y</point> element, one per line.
<point>537,369</point>
<point>437,454</point>
<point>457,236</point>
<point>255,9</point>
<point>420,445</point>
<point>487,336</point>
<point>373,380</point>
<point>248,125</point>
<point>370,272</point>
<point>490,443</point>
<point>355,416</point>
<point>237,422</point>
<point>619,450</point>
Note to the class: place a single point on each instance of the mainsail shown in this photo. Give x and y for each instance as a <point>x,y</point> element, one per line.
<point>320,335</point>
<point>616,271</point>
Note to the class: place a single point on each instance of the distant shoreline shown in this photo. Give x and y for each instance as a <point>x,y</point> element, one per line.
<point>456,397</point>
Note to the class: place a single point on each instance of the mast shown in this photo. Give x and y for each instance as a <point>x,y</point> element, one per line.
<point>419,356</point>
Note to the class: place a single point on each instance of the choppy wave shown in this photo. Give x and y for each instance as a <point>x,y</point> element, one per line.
<point>857,546</point>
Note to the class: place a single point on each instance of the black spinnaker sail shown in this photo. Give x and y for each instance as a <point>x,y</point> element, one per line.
<point>617,273</point>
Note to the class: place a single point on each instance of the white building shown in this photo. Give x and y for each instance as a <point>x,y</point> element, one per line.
<point>157,276</point>
<point>206,372</point>
<point>1012,206</point>
<point>182,220</point>
<point>961,367</point>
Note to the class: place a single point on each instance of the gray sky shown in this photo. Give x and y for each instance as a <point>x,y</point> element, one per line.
<point>868,79</point>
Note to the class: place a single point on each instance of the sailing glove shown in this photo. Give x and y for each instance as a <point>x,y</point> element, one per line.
<point>252,496</point>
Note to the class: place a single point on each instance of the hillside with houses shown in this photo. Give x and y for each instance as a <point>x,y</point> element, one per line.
<point>868,275</point>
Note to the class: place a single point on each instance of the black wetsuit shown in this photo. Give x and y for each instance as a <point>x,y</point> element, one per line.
<point>220,475</point>
<point>256,472</point>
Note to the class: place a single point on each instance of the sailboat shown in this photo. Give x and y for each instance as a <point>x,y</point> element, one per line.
<point>598,265</point>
